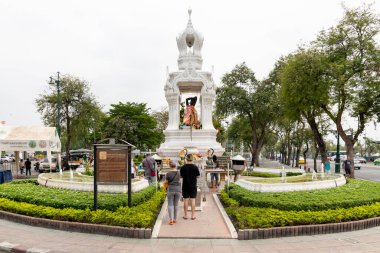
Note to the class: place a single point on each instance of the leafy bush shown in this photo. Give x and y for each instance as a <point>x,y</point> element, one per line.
<point>30,192</point>
<point>292,174</point>
<point>354,193</point>
<point>142,216</point>
<point>255,217</point>
<point>259,174</point>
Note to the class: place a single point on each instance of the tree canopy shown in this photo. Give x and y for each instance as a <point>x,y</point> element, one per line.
<point>133,123</point>
<point>241,94</point>
<point>79,109</point>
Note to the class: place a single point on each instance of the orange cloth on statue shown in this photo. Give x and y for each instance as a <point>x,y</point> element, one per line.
<point>191,116</point>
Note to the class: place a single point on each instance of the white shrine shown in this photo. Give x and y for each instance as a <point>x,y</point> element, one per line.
<point>190,81</point>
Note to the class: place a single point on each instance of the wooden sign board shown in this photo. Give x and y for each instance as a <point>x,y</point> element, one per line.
<point>112,165</point>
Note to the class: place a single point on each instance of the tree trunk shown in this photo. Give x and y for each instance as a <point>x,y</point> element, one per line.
<point>304,156</point>
<point>315,157</point>
<point>298,152</point>
<point>289,153</point>
<point>349,146</point>
<point>318,137</point>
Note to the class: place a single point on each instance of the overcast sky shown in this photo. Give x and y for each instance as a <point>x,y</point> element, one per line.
<point>122,47</point>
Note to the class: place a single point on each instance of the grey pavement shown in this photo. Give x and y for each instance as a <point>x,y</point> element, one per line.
<point>36,239</point>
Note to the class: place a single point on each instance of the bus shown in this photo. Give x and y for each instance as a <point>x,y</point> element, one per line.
<point>79,157</point>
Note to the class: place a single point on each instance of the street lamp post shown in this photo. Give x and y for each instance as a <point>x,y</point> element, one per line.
<point>57,82</point>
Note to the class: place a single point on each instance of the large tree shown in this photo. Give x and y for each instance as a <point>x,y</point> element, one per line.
<point>304,89</point>
<point>241,94</point>
<point>132,122</point>
<point>79,109</point>
<point>352,71</point>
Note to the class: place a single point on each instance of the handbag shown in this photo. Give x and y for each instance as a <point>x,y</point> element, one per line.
<point>166,182</point>
<point>152,172</point>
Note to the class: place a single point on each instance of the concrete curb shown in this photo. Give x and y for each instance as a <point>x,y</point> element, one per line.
<point>226,219</point>
<point>157,225</point>
<point>266,233</point>
<point>141,233</point>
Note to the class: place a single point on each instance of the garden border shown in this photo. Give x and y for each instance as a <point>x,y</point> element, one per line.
<point>141,233</point>
<point>276,232</point>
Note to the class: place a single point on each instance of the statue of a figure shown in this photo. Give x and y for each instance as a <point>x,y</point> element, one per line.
<point>191,116</point>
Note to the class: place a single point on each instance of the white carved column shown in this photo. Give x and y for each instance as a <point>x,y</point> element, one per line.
<point>173,102</point>
<point>207,100</point>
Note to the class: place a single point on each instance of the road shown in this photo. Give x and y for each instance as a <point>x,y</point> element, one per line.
<point>368,171</point>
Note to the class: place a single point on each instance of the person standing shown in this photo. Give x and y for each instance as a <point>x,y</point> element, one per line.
<point>189,173</point>
<point>28,167</point>
<point>173,192</point>
<point>149,166</point>
<point>327,167</point>
<point>21,166</point>
<point>215,176</point>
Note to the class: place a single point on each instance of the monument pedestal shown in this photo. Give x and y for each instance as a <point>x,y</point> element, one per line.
<point>176,140</point>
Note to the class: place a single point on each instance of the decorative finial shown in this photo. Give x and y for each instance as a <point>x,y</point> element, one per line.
<point>189,24</point>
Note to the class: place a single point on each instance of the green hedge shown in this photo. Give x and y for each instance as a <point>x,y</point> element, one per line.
<point>354,193</point>
<point>260,174</point>
<point>30,192</point>
<point>141,216</point>
<point>268,174</point>
<point>255,217</point>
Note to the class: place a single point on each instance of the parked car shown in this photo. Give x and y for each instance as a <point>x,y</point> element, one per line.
<point>357,164</point>
<point>377,161</point>
<point>45,166</point>
<point>360,159</point>
<point>301,161</point>
<point>5,159</point>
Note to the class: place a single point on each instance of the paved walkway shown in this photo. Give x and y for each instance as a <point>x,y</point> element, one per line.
<point>37,239</point>
<point>209,223</point>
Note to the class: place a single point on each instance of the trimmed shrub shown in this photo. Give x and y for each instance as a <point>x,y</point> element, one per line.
<point>141,216</point>
<point>29,191</point>
<point>260,174</point>
<point>254,217</point>
<point>354,193</point>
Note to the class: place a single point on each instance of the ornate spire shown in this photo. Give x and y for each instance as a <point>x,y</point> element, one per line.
<point>189,44</point>
<point>189,24</point>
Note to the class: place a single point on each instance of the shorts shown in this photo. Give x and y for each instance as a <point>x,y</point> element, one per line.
<point>189,193</point>
<point>214,176</point>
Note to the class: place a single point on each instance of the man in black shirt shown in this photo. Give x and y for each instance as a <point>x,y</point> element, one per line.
<point>189,173</point>
<point>28,167</point>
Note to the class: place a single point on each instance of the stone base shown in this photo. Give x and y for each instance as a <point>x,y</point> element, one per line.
<point>176,140</point>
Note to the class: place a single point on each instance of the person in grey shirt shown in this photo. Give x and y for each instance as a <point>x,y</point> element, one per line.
<point>173,192</point>
<point>149,166</point>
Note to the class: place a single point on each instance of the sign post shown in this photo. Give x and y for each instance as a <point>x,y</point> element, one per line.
<point>112,166</point>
